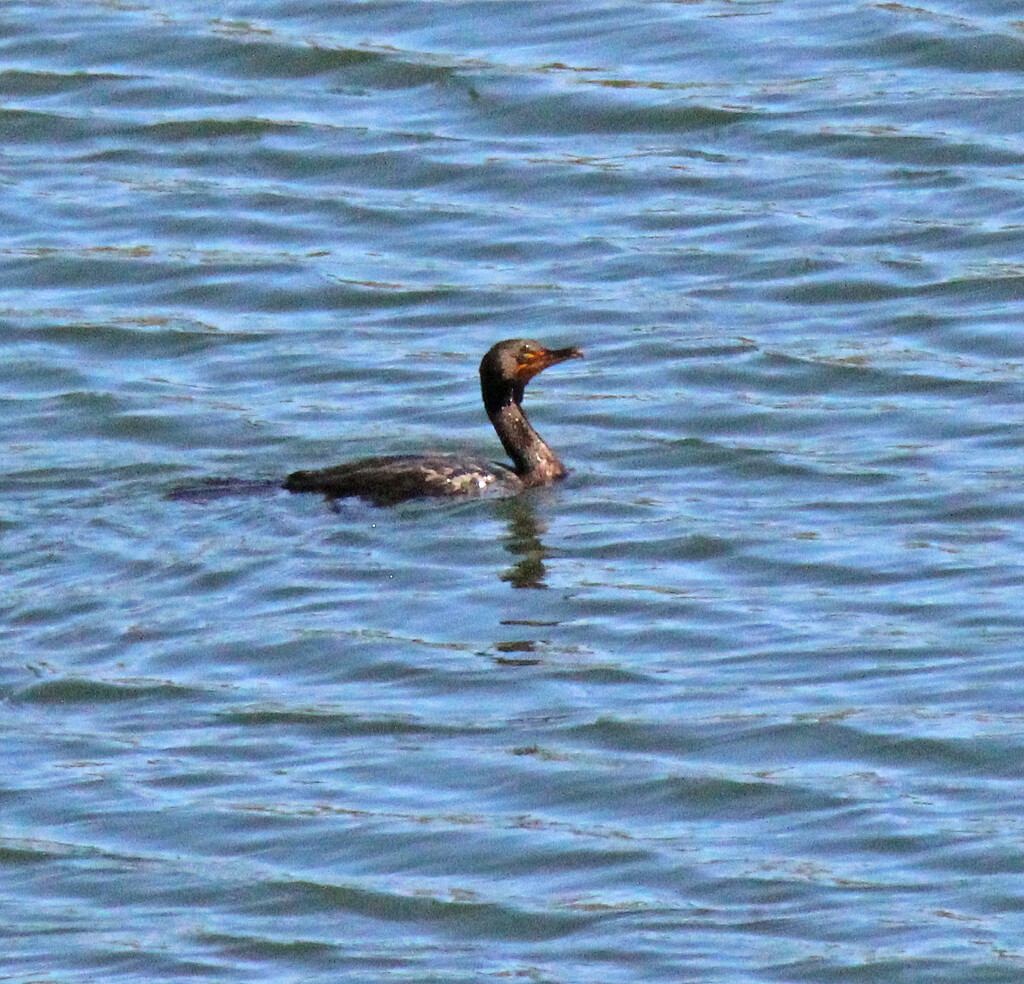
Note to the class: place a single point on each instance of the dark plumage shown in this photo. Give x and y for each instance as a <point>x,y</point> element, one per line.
<point>504,372</point>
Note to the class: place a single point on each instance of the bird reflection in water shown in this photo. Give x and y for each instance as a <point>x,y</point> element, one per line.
<point>523,542</point>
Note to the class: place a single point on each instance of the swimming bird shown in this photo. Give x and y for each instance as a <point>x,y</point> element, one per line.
<point>504,372</point>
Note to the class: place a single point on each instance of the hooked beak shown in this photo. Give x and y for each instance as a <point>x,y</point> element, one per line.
<point>537,362</point>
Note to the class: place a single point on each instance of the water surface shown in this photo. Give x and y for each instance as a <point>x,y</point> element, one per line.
<point>738,702</point>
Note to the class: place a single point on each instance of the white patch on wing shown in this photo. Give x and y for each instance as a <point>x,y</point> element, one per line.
<point>461,481</point>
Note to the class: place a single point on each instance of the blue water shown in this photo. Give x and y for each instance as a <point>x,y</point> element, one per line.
<point>738,702</point>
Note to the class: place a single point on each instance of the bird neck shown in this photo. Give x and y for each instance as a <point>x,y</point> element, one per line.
<point>535,463</point>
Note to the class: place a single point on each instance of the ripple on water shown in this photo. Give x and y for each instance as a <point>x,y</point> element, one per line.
<point>738,701</point>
